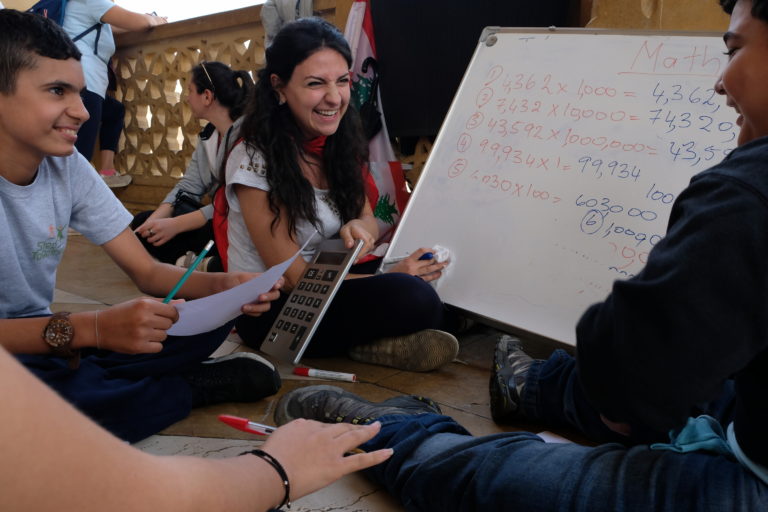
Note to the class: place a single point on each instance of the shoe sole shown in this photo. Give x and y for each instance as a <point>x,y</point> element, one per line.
<point>421,351</point>
<point>117,181</point>
<point>241,355</point>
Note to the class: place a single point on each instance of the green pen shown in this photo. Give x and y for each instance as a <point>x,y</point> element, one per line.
<point>189,271</point>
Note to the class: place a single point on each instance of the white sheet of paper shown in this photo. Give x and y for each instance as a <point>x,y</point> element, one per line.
<point>208,313</point>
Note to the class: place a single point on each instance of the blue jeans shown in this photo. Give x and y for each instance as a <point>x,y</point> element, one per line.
<point>132,396</point>
<point>438,465</point>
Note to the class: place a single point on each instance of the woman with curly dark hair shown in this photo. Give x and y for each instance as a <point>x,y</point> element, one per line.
<point>300,169</point>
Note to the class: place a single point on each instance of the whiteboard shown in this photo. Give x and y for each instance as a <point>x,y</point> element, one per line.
<point>555,169</point>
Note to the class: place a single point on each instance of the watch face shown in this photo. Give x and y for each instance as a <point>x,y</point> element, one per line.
<point>59,332</point>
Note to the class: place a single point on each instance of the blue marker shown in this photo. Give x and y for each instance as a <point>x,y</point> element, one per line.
<point>387,263</point>
<point>189,271</point>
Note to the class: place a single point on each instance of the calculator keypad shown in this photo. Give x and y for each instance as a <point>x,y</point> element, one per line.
<point>303,304</point>
<point>301,313</point>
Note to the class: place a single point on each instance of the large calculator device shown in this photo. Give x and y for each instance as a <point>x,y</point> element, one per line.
<point>297,321</point>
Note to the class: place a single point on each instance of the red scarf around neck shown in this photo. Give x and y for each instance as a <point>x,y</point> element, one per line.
<point>315,147</point>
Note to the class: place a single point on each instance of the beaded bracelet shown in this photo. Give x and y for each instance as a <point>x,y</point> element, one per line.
<point>280,471</point>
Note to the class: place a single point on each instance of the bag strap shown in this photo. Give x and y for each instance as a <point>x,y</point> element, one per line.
<point>97,28</point>
<point>220,212</point>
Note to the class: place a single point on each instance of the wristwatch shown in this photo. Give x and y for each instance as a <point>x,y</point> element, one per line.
<point>58,334</point>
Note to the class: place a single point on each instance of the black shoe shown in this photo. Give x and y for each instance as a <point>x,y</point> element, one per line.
<point>238,377</point>
<point>510,368</point>
<point>331,404</point>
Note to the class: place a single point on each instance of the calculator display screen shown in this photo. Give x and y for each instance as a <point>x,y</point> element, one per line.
<point>331,258</point>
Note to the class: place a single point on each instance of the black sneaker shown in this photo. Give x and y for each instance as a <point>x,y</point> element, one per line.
<point>510,368</point>
<point>238,377</point>
<point>331,404</point>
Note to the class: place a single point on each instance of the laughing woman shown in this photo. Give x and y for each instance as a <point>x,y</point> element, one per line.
<point>300,169</point>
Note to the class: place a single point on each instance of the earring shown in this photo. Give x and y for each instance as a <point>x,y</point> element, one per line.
<point>281,101</point>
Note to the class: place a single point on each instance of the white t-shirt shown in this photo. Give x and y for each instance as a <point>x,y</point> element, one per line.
<point>79,17</point>
<point>34,224</point>
<point>252,172</point>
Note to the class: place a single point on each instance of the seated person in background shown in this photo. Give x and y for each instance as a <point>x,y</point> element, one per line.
<point>671,370</point>
<point>43,439</point>
<point>217,94</point>
<point>132,377</point>
<point>300,170</point>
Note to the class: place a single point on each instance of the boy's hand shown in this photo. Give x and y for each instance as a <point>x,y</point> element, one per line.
<point>262,303</point>
<point>136,327</point>
<point>316,454</point>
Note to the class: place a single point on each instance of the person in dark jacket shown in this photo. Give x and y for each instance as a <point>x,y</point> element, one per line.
<point>670,373</point>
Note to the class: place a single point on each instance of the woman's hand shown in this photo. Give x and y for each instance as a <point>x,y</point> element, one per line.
<point>135,327</point>
<point>262,303</point>
<point>159,231</point>
<point>314,454</point>
<point>356,230</point>
<point>428,270</point>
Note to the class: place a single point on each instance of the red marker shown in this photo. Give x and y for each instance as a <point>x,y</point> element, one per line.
<point>246,425</point>
<point>322,374</point>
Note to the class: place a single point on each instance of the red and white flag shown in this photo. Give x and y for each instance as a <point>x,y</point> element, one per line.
<point>389,195</point>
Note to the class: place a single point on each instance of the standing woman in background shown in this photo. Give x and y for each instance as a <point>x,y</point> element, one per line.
<point>300,170</point>
<point>97,47</point>
<point>217,94</point>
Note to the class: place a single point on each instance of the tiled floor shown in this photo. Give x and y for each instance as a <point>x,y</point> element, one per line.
<point>88,280</point>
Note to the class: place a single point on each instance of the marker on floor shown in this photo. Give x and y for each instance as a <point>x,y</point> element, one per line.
<point>323,374</point>
<point>246,425</point>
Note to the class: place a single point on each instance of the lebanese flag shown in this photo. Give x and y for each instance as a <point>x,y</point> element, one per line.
<point>386,192</point>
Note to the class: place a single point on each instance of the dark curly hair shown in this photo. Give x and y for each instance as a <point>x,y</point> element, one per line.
<point>24,37</point>
<point>231,88</point>
<point>271,129</point>
<point>759,8</point>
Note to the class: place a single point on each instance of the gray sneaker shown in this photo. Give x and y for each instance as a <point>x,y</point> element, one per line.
<point>331,404</point>
<point>421,351</point>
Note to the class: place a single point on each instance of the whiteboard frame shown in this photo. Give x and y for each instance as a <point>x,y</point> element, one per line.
<point>487,39</point>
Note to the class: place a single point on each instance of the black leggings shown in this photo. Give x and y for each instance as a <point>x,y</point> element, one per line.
<point>106,121</point>
<point>362,311</point>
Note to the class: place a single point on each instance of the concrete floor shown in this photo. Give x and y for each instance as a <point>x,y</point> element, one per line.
<point>88,279</point>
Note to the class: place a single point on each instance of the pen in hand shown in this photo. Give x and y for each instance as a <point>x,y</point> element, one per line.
<point>188,273</point>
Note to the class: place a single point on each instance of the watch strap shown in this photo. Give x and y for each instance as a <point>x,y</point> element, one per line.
<point>63,350</point>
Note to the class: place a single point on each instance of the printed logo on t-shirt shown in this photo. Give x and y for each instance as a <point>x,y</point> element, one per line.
<point>53,246</point>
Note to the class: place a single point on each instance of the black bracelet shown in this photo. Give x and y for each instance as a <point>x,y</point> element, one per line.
<point>280,471</point>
